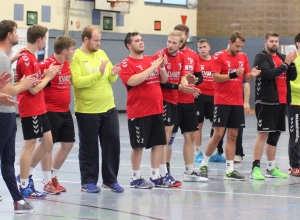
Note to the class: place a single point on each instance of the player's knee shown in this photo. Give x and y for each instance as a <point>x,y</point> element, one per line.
<point>273,138</point>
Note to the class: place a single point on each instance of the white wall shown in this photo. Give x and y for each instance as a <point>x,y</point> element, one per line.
<point>141,17</point>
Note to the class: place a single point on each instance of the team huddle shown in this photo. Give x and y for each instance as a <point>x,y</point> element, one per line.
<point>174,88</point>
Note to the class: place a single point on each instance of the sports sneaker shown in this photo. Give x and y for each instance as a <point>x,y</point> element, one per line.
<point>140,184</point>
<point>115,187</point>
<point>275,173</point>
<point>30,192</point>
<point>90,188</point>
<point>203,171</point>
<point>238,159</point>
<point>234,175</point>
<point>194,177</point>
<point>22,208</point>
<point>294,172</point>
<point>161,182</point>
<point>57,185</point>
<point>217,158</point>
<point>175,183</point>
<point>256,174</point>
<point>199,157</point>
<point>50,189</point>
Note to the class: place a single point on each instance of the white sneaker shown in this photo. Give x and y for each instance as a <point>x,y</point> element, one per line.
<point>237,159</point>
<point>194,177</point>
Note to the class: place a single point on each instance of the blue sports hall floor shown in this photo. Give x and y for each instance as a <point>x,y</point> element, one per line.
<point>215,199</point>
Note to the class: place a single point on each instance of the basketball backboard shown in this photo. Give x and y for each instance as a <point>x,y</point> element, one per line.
<point>104,5</point>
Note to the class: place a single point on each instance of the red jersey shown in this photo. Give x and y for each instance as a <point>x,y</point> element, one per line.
<point>146,98</point>
<point>229,92</point>
<point>280,81</point>
<point>192,67</point>
<point>175,70</point>
<point>57,92</point>
<point>207,87</point>
<point>29,104</point>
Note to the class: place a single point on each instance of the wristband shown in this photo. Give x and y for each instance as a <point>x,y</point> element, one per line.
<point>233,75</point>
<point>162,68</point>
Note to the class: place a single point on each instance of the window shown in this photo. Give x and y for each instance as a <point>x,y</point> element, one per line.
<point>170,2</point>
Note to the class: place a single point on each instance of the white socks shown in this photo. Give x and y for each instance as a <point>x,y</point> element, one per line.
<point>163,169</point>
<point>270,165</point>
<point>154,173</point>
<point>229,166</point>
<point>54,172</point>
<point>24,183</point>
<point>136,174</point>
<point>205,160</point>
<point>197,150</point>
<point>189,168</point>
<point>47,176</point>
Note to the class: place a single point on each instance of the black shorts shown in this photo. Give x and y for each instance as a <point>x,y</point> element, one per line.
<point>62,126</point>
<point>187,118</point>
<point>170,114</point>
<point>204,107</point>
<point>147,131</point>
<point>270,118</point>
<point>229,116</point>
<point>35,126</point>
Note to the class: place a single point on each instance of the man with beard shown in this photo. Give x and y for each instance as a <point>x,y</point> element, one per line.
<point>96,113</point>
<point>176,81</point>
<point>187,118</point>
<point>8,129</point>
<point>229,68</point>
<point>144,108</point>
<point>272,93</point>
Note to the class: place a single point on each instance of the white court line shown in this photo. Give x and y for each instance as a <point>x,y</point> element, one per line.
<point>199,191</point>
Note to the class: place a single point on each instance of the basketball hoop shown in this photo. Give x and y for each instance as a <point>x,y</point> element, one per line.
<point>121,5</point>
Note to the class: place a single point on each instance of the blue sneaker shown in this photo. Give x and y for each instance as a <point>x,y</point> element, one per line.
<point>140,184</point>
<point>217,158</point>
<point>199,157</point>
<point>90,188</point>
<point>30,192</point>
<point>115,187</point>
<point>175,183</point>
<point>161,182</point>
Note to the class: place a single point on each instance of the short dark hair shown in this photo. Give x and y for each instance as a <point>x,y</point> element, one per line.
<point>35,32</point>
<point>182,27</point>
<point>63,42</point>
<point>297,40</point>
<point>88,32</point>
<point>271,34</point>
<point>202,40</point>
<point>237,35</point>
<point>6,26</point>
<point>128,38</point>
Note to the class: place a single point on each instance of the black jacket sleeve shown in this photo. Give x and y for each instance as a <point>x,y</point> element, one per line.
<point>268,72</point>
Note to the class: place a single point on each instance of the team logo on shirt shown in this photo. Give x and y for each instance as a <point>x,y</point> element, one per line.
<point>241,64</point>
<point>139,66</point>
<point>179,66</point>
<point>202,67</point>
<point>190,60</point>
<point>168,66</point>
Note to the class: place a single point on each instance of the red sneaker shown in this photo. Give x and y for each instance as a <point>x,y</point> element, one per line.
<point>294,172</point>
<point>50,189</point>
<point>57,185</point>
